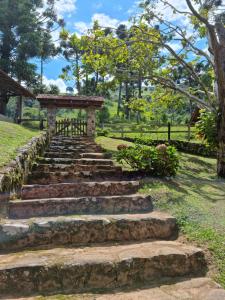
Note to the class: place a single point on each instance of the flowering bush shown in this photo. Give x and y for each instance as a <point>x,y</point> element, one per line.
<point>122,146</point>
<point>161,160</point>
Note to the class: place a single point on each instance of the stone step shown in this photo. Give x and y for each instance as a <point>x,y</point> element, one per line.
<point>74,168</point>
<point>71,270</point>
<point>69,153</point>
<point>72,143</point>
<point>37,177</point>
<point>71,160</point>
<point>93,189</point>
<point>85,230</point>
<point>46,160</point>
<point>73,138</point>
<point>83,205</point>
<point>73,147</point>
<point>93,155</point>
<point>92,161</point>
<point>57,155</point>
<point>200,288</point>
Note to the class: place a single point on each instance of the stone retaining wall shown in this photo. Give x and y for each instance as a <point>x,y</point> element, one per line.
<point>16,172</point>
<point>187,147</point>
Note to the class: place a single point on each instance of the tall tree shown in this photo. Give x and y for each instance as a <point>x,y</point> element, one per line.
<point>207,23</point>
<point>25,28</point>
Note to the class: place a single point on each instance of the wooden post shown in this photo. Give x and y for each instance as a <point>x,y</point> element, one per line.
<point>169,132</point>
<point>41,124</point>
<point>189,132</point>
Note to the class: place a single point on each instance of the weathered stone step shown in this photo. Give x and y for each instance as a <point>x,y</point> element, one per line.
<point>72,143</point>
<point>71,160</point>
<point>67,177</point>
<point>74,168</point>
<point>73,147</point>
<point>92,161</point>
<point>68,153</point>
<point>86,229</point>
<point>57,155</point>
<point>93,155</point>
<point>200,288</point>
<point>65,190</point>
<point>83,205</point>
<point>46,160</point>
<point>106,267</point>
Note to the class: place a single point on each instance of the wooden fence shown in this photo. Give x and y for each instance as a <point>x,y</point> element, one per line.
<point>168,132</point>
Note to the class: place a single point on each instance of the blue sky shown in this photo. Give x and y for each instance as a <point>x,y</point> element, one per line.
<point>79,15</point>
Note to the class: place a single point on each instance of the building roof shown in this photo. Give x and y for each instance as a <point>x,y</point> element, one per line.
<point>67,101</point>
<point>11,87</point>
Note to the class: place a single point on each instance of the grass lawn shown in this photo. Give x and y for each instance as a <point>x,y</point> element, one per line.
<point>197,198</point>
<point>12,137</point>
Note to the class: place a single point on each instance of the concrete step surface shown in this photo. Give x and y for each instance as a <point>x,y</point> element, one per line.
<point>104,267</point>
<point>85,229</point>
<point>84,205</point>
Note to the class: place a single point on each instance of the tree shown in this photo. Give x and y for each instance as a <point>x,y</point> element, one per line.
<point>72,51</point>
<point>206,23</point>
<point>25,28</point>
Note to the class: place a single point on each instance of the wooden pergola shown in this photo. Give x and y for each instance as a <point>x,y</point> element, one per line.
<point>8,88</point>
<point>54,102</point>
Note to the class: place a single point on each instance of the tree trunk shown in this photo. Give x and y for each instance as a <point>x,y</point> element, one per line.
<point>78,75</point>
<point>221,142</point>
<point>127,110</point>
<point>219,61</point>
<point>119,99</point>
<point>18,115</point>
<point>139,96</point>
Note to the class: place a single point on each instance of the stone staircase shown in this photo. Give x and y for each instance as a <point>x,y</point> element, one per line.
<point>81,226</point>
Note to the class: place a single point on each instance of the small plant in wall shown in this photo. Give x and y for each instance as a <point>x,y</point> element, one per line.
<point>161,160</point>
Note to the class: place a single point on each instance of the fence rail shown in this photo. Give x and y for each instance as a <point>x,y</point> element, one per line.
<point>168,132</point>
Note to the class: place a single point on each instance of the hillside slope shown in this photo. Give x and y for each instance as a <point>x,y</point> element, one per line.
<point>12,137</point>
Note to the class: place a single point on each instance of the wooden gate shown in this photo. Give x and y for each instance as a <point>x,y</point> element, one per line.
<point>71,127</point>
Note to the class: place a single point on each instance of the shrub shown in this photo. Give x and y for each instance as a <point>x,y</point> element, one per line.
<point>102,132</point>
<point>159,161</point>
<point>206,127</point>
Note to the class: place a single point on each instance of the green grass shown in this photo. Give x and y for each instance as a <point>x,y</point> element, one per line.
<point>12,137</point>
<point>196,197</point>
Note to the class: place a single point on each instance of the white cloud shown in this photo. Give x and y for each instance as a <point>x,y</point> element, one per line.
<point>103,20</point>
<point>58,82</point>
<point>65,6</point>
<point>81,27</point>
